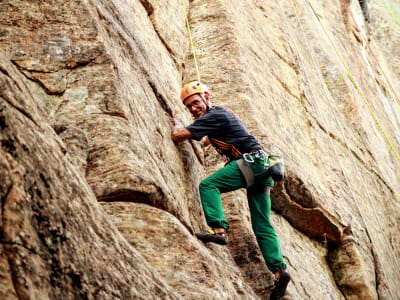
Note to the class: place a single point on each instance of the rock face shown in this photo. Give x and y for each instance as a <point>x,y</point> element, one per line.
<point>97,202</point>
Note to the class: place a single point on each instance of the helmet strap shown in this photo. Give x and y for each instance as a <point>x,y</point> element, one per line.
<point>205,102</point>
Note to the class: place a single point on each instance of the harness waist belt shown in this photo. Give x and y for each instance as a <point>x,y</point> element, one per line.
<point>246,171</point>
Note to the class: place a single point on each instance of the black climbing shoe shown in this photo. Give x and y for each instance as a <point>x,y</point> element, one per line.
<point>280,285</point>
<point>213,237</point>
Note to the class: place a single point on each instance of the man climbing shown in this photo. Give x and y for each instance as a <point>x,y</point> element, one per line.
<point>246,158</point>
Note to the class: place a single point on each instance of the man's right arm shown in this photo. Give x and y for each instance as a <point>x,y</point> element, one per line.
<point>180,133</point>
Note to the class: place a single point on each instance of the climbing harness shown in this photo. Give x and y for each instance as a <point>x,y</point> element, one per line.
<point>273,166</point>
<point>276,167</point>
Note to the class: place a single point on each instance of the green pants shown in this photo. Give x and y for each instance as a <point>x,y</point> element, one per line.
<point>228,179</point>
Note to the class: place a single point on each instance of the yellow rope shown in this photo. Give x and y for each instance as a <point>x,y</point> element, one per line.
<point>348,179</point>
<point>392,12</point>
<point>346,176</point>
<point>193,48</point>
<point>352,79</point>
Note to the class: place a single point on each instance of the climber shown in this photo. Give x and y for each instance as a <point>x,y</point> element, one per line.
<point>221,128</point>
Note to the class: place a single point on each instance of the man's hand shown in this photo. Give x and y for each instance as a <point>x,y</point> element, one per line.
<point>205,141</point>
<point>180,133</point>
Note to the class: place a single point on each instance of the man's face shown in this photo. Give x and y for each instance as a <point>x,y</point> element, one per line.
<point>196,105</point>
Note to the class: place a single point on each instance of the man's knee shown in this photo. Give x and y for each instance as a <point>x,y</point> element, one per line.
<point>206,184</point>
<point>203,184</point>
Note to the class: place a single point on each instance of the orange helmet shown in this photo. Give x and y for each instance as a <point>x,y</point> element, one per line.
<point>194,87</point>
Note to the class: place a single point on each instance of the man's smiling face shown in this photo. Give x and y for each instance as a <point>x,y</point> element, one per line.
<point>196,105</point>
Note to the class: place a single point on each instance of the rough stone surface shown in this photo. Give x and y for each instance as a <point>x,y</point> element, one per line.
<point>188,265</point>
<point>99,203</point>
<point>57,242</point>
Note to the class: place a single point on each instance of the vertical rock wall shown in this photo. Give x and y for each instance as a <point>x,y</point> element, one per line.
<point>88,93</point>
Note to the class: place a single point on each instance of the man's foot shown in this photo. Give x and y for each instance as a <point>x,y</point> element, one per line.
<point>220,238</point>
<point>281,283</point>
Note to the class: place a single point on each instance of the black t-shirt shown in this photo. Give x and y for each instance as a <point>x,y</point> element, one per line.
<point>225,131</point>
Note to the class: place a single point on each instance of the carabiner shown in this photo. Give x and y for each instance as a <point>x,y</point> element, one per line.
<point>248,158</point>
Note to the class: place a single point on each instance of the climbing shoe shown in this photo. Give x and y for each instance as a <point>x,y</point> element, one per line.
<point>213,237</point>
<point>280,286</point>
